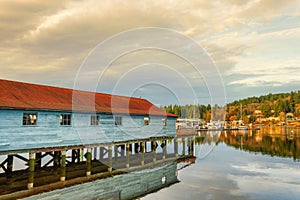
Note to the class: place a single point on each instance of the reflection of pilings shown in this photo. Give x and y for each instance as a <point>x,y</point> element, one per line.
<point>31,164</point>
<point>63,166</point>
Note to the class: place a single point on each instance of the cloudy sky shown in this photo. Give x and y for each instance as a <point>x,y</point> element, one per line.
<point>253,47</point>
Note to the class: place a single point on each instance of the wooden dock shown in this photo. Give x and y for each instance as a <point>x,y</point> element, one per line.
<point>54,168</point>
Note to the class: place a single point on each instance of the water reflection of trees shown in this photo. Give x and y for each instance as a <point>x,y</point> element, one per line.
<point>207,139</point>
<point>273,145</point>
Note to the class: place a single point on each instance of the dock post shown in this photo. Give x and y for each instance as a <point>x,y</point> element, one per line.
<point>31,164</point>
<point>80,155</point>
<point>9,168</point>
<point>63,166</point>
<point>189,144</point>
<point>175,147</point>
<point>164,149</point>
<point>194,147</point>
<point>109,158</point>
<point>56,159</point>
<point>142,153</point>
<point>153,145</point>
<point>95,153</point>
<point>128,152</point>
<point>73,156</point>
<point>123,150</point>
<point>145,146</point>
<point>136,147</point>
<point>183,146</point>
<point>88,161</point>
<point>116,152</point>
<point>153,149</point>
<point>38,160</point>
<point>101,153</point>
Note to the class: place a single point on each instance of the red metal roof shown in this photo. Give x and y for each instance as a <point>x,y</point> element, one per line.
<point>19,95</point>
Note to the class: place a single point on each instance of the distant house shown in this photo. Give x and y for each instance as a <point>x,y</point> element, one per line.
<point>258,113</point>
<point>36,116</point>
<point>289,116</point>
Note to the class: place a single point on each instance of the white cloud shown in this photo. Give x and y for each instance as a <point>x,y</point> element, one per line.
<point>40,37</point>
<point>277,176</point>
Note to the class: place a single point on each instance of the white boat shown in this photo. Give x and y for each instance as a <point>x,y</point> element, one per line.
<point>188,123</point>
<point>243,127</point>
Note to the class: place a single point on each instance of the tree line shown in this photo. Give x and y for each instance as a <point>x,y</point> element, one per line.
<point>270,105</point>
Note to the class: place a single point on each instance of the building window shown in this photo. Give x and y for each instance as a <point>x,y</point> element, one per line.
<point>94,120</point>
<point>65,119</point>
<point>146,121</point>
<point>29,119</point>
<point>118,120</point>
<point>164,122</point>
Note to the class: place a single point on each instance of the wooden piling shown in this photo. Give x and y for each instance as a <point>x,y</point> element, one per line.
<point>9,166</point>
<point>142,152</point>
<point>176,147</point>
<point>153,149</point>
<point>56,159</point>
<point>123,150</point>
<point>63,166</point>
<point>183,146</point>
<point>101,149</point>
<point>95,153</point>
<point>73,156</point>
<point>110,158</point>
<point>136,147</point>
<point>38,160</point>
<point>116,152</point>
<point>88,161</point>
<point>128,153</point>
<point>164,149</point>
<point>31,164</point>
<point>81,155</point>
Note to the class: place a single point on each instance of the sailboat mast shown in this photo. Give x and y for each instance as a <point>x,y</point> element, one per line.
<point>241,111</point>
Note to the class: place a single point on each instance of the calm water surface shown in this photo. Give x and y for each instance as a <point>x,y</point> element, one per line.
<point>240,165</point>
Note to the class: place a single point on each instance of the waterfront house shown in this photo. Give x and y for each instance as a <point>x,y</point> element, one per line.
<point>37,116</point>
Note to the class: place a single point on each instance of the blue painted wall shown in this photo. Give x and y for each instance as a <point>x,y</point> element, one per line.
<point>49,133</point>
